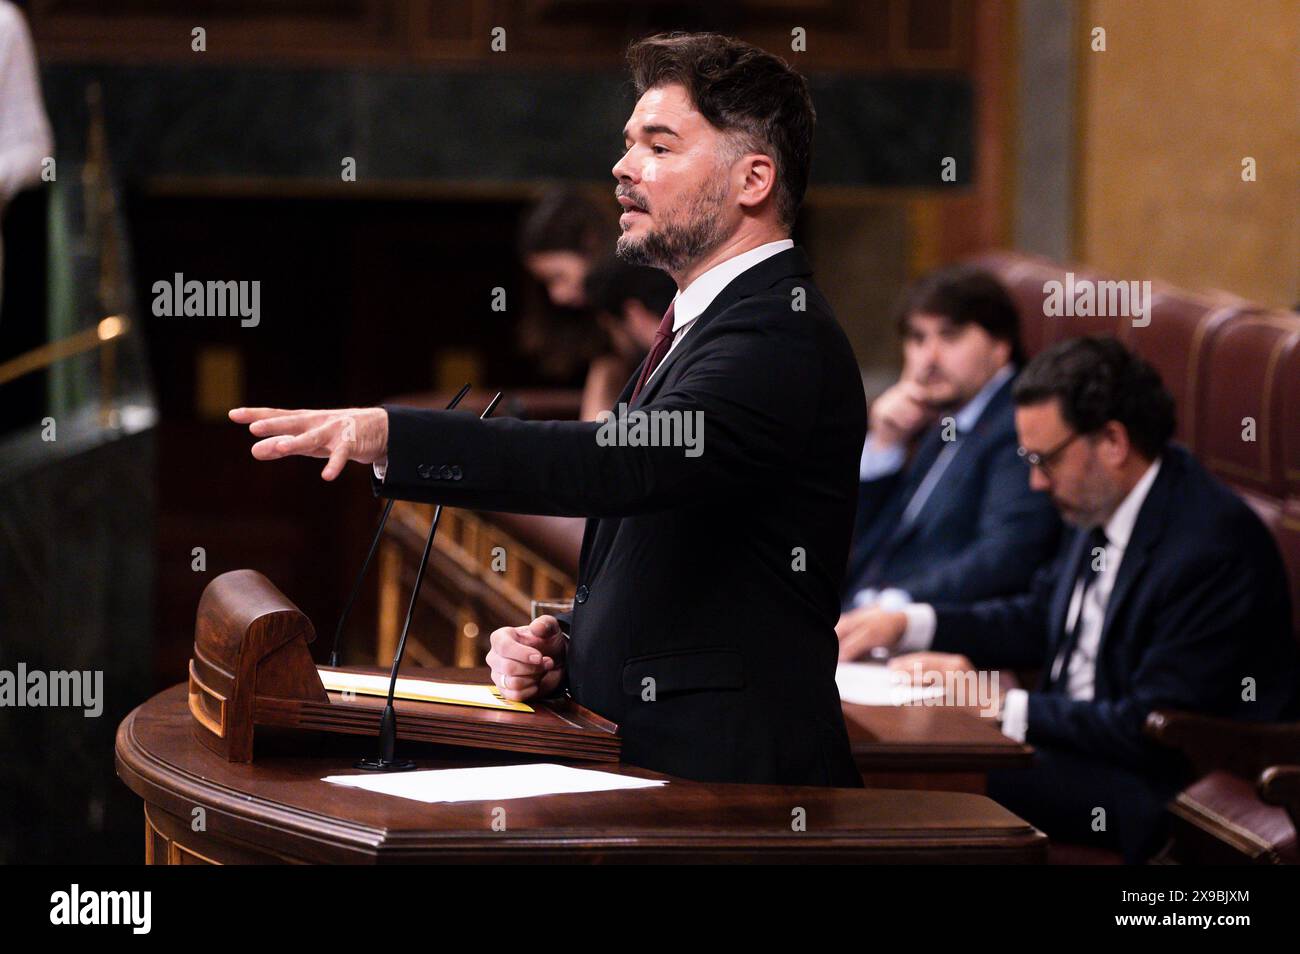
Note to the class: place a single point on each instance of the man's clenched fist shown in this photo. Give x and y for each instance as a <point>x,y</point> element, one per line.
<point>528,660</point>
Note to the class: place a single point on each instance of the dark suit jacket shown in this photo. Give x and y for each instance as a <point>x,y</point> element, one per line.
<point>981,532</point>
<point>717,577</point>
<point>1200,603</point>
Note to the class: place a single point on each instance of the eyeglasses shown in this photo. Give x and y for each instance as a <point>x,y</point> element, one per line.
<point>1044,460</point>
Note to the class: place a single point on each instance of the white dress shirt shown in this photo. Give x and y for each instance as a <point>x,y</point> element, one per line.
<point>693,300</point>
<point>1082,671</point>
<point>1081,674</point>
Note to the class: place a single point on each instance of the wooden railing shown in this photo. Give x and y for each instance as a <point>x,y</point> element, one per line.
<point>480,577</point>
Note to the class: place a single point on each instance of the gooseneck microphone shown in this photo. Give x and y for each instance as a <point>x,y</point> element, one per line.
<point>374,545</point>
<point>387,762</point>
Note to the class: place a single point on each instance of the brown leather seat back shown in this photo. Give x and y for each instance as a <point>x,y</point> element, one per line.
<point>1245,422</point>
<point>1239,418</point>
<point>1175,342</point>
<point>1026,278</point>
<point>1288,530</point>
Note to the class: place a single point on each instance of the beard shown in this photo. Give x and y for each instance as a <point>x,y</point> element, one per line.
<point>946,400</point>
<point>685,236</point>
<point>1093,503</point>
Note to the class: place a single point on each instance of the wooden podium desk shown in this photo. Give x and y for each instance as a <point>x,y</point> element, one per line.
<point>276,809</point>
<point>929,747</point>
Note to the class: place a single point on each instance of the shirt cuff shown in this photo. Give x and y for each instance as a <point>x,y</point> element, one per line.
<point>892,598</point>
<point>878,463</point>
<point>865,597</point>
<point>1015,714</point>
<point>380,468</point>
<point>921,623</point>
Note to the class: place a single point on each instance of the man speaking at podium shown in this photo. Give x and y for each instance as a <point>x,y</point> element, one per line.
<point>708,586</point>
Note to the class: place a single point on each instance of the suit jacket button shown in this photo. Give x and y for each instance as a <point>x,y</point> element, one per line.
<point>425,471</point>
<point>444,472</point>
<point>456,473</point>
<point>581,595</point>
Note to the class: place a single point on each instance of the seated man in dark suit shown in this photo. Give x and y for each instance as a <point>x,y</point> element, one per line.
<point>958,521</point>
<point>1171,594</point>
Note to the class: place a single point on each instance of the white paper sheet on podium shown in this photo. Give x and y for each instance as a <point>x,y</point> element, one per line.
<point>873,684</point>
<point>492,783</point>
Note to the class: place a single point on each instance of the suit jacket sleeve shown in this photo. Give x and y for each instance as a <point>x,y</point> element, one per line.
<point>1017,529</point>
<point>752,427</point>
<point>1204,641</point>
<point>1009,632</point>
<point>873,497</point>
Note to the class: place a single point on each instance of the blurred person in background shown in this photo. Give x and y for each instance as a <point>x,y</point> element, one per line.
<point>563,234</point>
<point>559,240</point>
<point>945,507</point>
<point>628,301</point>
<point>25,138</point>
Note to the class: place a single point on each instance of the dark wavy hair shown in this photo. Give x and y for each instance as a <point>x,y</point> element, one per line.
<point>612,283</point>
<point>742,90</point>
<point>964,294</point>
<point>566,220</point>
<point>1097,380</point>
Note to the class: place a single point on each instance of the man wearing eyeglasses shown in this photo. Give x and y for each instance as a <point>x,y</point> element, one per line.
<point>1170,594</point>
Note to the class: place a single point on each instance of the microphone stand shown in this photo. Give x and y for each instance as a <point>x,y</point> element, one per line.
<point>374,545</point>
<point>386,762</point>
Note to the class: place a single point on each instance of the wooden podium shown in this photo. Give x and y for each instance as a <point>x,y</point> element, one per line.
<point>188,753</point>
<point>251,668</point>
<point>202,809</point>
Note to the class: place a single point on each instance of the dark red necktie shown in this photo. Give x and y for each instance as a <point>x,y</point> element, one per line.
<point>663,341</point>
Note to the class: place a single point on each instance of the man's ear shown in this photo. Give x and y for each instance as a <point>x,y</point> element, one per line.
<point>1003,351</point>
<point>1115,446</point>
<point>759,172</point>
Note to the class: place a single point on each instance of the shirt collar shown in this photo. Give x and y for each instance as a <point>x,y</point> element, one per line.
<point>1119,528</point>
<point>690,303</point>
<point>970,413</point>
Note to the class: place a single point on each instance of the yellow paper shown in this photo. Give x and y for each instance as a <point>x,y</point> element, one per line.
<point>419,690</point>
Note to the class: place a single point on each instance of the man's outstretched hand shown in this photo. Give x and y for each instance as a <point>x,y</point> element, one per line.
<point>355,433</point>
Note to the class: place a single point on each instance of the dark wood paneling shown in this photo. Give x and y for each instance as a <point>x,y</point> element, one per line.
<point>840,34</point>
<point>341,282</point>
<point>160,30</point>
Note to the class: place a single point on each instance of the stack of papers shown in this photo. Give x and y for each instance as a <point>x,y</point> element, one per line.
<point>419,690</point>
<point>492,783</point>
